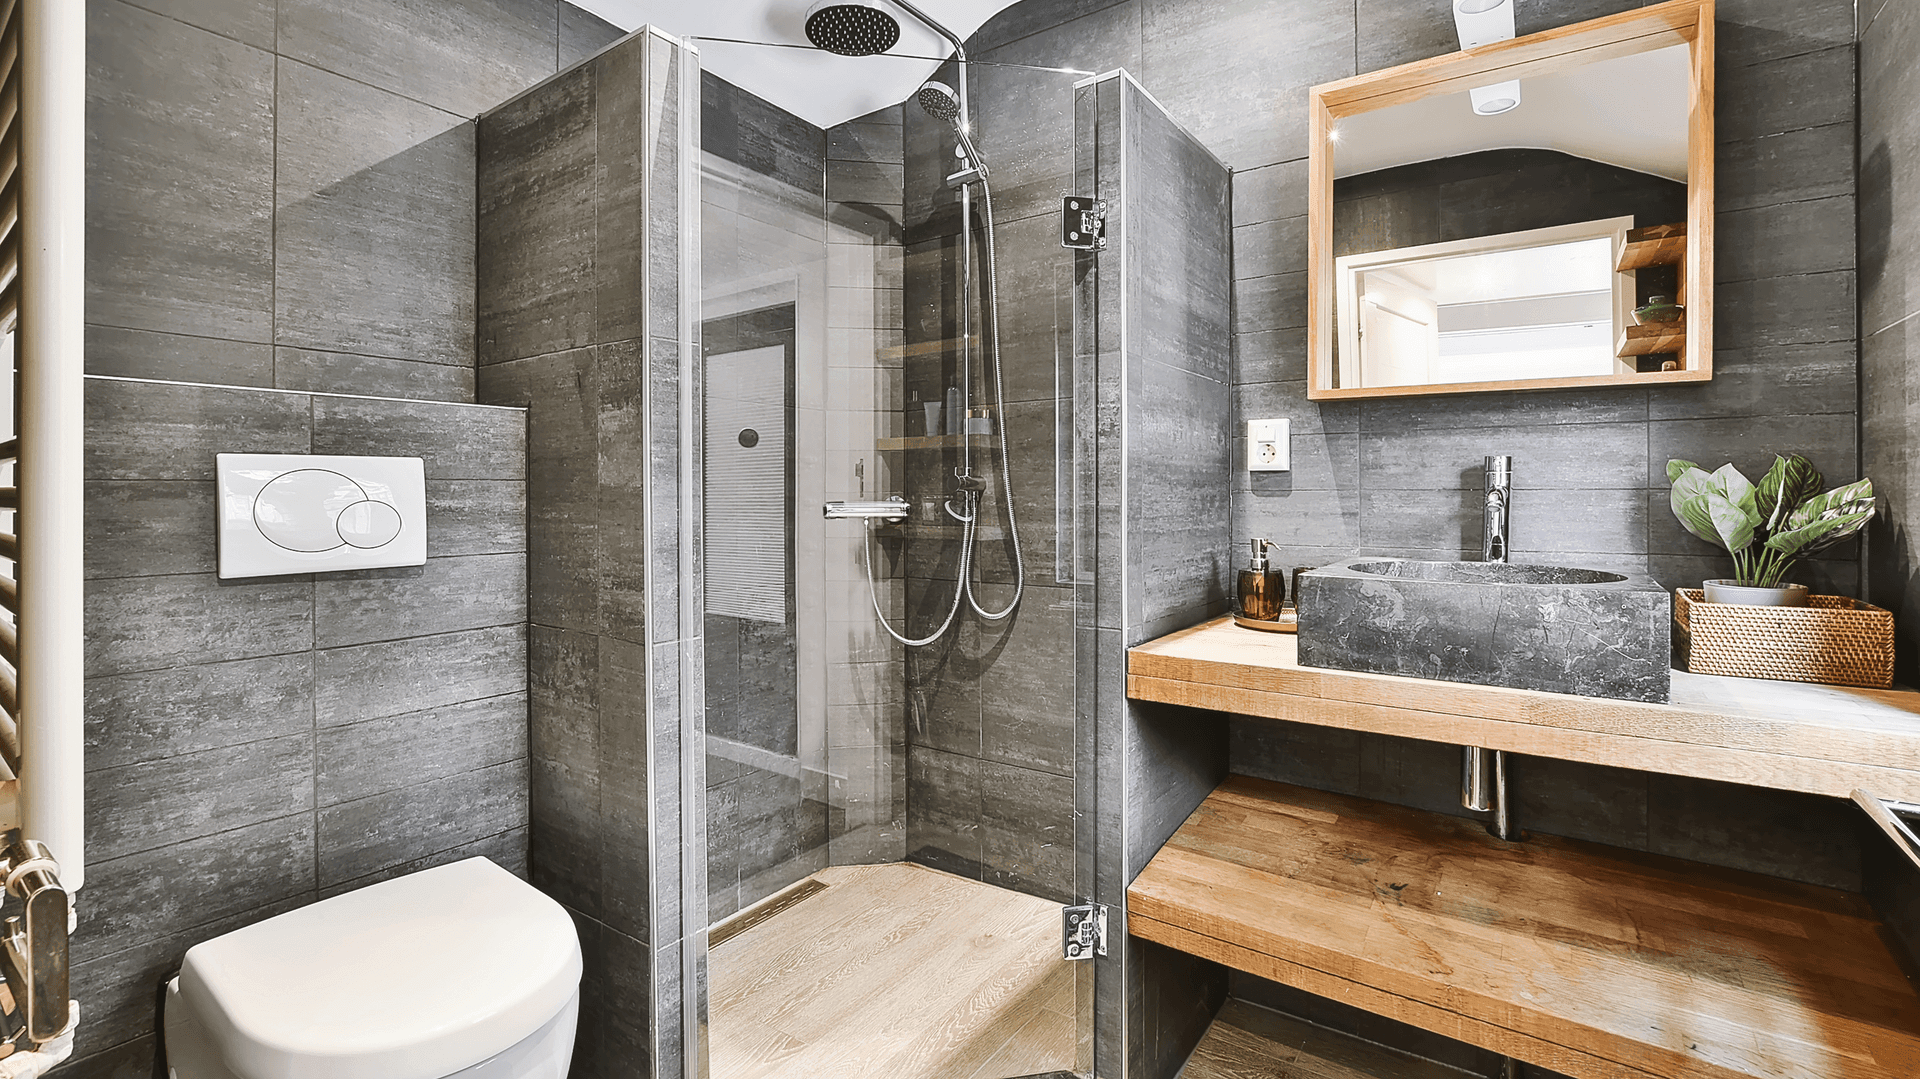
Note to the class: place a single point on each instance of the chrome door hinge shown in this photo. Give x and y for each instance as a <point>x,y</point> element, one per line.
<point>1084,931</point>
<point>1083,223</point>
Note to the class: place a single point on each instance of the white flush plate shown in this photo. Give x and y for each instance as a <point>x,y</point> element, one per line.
<point>298,513</point>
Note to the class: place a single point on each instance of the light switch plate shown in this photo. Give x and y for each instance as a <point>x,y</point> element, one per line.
<point>1269,445</point>
<point>284,513</point>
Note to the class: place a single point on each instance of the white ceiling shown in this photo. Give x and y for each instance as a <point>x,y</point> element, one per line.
<point>1630,111</point>
<point>818,86</point>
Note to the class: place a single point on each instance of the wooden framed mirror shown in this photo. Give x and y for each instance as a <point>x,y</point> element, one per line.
<point>1508,217</point>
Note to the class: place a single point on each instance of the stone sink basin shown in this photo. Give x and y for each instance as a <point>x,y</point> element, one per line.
<point>1558,629</point>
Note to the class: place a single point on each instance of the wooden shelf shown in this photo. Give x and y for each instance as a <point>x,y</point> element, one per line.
<point>1784,735</point>
<point>1652,339</point>
<point>1658,245</point>
<point>1587,960</point>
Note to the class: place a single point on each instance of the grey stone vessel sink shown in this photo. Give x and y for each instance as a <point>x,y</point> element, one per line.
<point>1553,628</point>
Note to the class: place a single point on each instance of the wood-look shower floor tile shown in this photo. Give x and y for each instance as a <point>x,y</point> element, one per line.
<point>894,971</point>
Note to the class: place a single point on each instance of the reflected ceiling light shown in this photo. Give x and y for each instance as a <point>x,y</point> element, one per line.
<point>1496,99</point>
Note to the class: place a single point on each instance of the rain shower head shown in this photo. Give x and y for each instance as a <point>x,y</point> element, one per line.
<point>939,101</point>
<point>852,29</point>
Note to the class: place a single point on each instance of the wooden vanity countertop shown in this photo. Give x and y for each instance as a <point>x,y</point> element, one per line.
<point>1794,736</point>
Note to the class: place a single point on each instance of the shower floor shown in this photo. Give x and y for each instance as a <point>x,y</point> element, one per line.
<point>897,971</point>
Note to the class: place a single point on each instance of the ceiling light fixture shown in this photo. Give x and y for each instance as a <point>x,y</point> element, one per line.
<point>1484,22</point>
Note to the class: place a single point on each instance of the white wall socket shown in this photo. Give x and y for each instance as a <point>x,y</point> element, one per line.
<point>1269,445</point>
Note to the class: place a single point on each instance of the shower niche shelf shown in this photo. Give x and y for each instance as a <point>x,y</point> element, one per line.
<point>1592,961</point>
<point>983,443</point>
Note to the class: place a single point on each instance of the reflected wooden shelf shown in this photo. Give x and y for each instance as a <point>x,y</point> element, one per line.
<point>1784,735</point>
<point>985,442</point>
<point>1592,961</point>
<point>1656,245</point>
<point>1653,338</point>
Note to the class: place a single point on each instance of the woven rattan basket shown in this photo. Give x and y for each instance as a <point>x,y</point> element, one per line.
<point>1833,640</point>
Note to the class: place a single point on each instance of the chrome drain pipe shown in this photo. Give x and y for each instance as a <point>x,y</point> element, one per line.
<point>1483,788</point>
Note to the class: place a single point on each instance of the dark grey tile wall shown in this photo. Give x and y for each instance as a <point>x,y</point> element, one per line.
<point>255,745</point>
<point>281,194</point>
<point>583,325</point>
<point>1890,307</point>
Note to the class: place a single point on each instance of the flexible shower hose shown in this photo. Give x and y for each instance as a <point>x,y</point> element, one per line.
<point>970,521</point>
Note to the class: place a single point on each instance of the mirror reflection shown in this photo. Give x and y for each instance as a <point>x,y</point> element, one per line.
<point>1521,230</point>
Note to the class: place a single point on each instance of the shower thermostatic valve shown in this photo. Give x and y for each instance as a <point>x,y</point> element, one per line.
<point>1084,931</point>
<point>1083,223</point>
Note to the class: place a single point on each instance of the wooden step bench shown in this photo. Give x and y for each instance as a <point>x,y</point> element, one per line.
<point>1591,961</point>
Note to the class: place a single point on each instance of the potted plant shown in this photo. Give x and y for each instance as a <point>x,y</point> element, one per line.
<point>1767,527</point>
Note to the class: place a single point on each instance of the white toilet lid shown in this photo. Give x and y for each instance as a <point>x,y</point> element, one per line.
<point>412,978</point>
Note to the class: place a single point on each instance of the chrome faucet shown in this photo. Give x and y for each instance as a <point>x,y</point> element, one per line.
<point>1494,546</point>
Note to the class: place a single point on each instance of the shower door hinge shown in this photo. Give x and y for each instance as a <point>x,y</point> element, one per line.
<point>1084,931</point>
<point>1083,223</point>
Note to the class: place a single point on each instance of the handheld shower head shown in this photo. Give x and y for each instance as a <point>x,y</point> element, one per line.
<point>852,27</point>
<point>939,101</point>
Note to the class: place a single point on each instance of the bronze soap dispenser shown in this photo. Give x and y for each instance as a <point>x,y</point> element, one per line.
<point>1262,588</point>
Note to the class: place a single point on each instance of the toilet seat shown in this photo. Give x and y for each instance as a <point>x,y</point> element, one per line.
<point>413,978</point>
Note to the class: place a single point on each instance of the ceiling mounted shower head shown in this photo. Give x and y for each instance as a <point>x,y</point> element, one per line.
<point>852,29</point>
<point>939,101</point>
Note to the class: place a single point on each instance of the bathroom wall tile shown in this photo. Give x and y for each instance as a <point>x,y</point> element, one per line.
<point>464,56</point>
<point>140,807</point>
<point>123,989</point>
<point>582,33</point>
<point>944,827</point>
<point>1269,192</point>
<point>149,354</point>
<point>869,182</point>
<point>179,201</point>
<point>1026,684</point>
<point>457,442</point>
<point>742,128</point>
<point>144,528</point>
<point>144,431</point>
<point>144,623</point>
<point>875,139</point>
<point>532,273</point>
<point>1791,166</point>
<point>359,760</point>
<point>1780,833</point>
<point>1809,90</point>
<point>1829,441</point>
<point>370,188</point>
<point>364,836</point>
<point>1580,801</point>
<point>1270,355</point>
<point>1533,408</point>
<point>1612,455</point>
<point>1779,311</point>
<point>1324,758</point>
<point>1424,775</point>
<point>1024,20</point>
<point>373,376</point>
<point>508,850</point>
<point>1277,245</point>
<point>1819,378</point>
<point>444,596</point>
<point>1026,831</point>
<point>1776,241</point>
<point>393,677</point>
<point>1275,302</point>
<point>128,1060</point>
<point>250,21</point>
<point>638,713</point>
<point>476,517</point>
<point>172,888</point>
<point>154,715</point>
<point>1270,56</point>
<point>1174,758</point>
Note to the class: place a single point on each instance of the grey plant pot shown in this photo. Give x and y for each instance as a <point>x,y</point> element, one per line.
<point>1726,591</point>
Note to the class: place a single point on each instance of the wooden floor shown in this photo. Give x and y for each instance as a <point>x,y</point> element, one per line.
<point>1247,1042</point>
<point>895,971</point>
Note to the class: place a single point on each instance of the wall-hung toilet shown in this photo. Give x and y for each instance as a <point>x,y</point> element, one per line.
<point>462,970</point>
